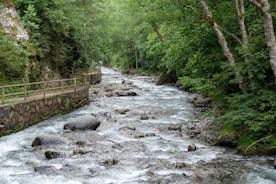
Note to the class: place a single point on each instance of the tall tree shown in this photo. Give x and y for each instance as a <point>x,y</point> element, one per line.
<point>222,41</point>
<point>264,6</point>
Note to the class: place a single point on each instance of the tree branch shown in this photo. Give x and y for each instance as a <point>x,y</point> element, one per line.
<point>231,34</point>
<point>224,30</point>
<point>259,140</point>
<point>256,3</point>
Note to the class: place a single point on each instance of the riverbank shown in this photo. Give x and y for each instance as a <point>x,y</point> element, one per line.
<point>208,125</point>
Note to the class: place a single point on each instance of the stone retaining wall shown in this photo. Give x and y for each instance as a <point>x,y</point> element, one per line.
<point>16,117</point>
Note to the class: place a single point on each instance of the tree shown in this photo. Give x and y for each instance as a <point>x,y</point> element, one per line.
<point>221,39</point>
<point>264,6</point>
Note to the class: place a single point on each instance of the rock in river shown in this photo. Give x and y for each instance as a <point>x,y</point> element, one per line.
<point>126,93</point>
<point>43,169</point>
<point>191,148</point>
<point>50,154</point>
<point>121,111</point>
<point>83,123</point>
<point>46,140</point>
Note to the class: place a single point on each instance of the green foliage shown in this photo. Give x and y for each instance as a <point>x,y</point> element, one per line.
<point>60,33</point>
<point>13,58</point>
<point>196,84</point>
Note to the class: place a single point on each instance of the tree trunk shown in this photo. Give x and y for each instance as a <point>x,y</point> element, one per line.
<point>155,29</point>
<point>240,14</point>
<point>222,41</point>
<point>270,35</point>
<point>269,31</point>
<point>239,9</point>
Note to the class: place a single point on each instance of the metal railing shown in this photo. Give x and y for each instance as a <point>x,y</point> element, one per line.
<point>37,90</point>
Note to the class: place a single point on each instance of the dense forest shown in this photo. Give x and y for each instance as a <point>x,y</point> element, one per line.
<point>222,49</point>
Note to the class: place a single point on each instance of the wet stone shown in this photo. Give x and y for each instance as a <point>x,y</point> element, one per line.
<point>82,123</point>
<point>144,117</point>
<point>80,143</point>
<point>126,93</point>
<point>180,165</point>
<point>122,111</point>
<point>191,148</point>
<point>127,129</point>
<point>50,154</point>
<point>139,136</point>
<point>174,128</point>
<point>43,169</point>
<point>110,162</point>
<point>80,152</point>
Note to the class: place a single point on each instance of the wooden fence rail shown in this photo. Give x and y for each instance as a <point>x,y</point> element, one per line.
<point>36,90</point>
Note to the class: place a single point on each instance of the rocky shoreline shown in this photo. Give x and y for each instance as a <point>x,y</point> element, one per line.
<point>202,127</point>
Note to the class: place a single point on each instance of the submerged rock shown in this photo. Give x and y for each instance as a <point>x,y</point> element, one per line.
<point>145,116</point>
<point>126,128</point>
<point>121,111</point>
<point>180,165</point>
<point>191,148</point>
<point>80,152</point>
<point>126,93</point>
<point>139,136</point>
<point>46,140</point>
<point>43,169</point>
<point>174,128</point>
<point>80,143</point>
<point>83,123</point>
<point>50,154</point>
<point>127,82</point>
<point>110,162</point>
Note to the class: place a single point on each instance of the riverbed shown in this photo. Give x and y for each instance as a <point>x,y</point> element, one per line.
<point>140,140</point>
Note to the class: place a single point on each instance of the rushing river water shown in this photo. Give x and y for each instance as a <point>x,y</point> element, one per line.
<point>127,149</point>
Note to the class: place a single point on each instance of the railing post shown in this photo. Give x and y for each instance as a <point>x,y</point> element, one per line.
<point>3,94</point>
<point>62,87</point>
<point>44,90</point>
<point>75,84</point>
<point>25,91</point>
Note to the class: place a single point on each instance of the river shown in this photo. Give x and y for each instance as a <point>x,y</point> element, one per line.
<point>126,148</point>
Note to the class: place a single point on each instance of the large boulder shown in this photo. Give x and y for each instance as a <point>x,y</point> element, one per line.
<point>46,140</point>
<point>83,123</point>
